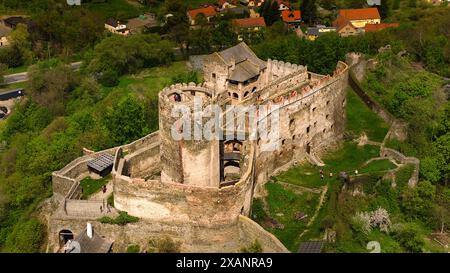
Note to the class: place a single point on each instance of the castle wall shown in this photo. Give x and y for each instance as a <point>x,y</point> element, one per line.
<point>145,161</point>
<point>63,180</point>
<point>311,123</point>
<point>279,69</point>
<point>224,238</point>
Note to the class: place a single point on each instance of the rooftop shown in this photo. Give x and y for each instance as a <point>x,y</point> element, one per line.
<point>291,15</point>
<point>102,162</point>
<point>4,30</point>
<point>209,11</point>
<point>96,244</point>
<point>360,14</point>
<point>311,247</point>
<point>246,64</point>
<point>250,22</point>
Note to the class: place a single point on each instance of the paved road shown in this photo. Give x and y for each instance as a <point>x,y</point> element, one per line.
<point>23,77</point>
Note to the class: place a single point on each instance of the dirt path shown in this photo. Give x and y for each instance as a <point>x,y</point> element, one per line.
<point>316,212</point>
<point>299,189</point>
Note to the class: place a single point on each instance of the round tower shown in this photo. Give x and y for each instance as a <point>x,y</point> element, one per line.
<point>186,155</point>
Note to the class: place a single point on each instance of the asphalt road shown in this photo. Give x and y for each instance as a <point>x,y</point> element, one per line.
<point>23,77</point>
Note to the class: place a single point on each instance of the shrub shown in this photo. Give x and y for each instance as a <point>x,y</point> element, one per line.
<point>361,223</point>
<point>120,220</point>
<point>109,78</point>
<point>409,237</point>
<point>165,245</point>
<point>26,237</point>
<point>133,249</point>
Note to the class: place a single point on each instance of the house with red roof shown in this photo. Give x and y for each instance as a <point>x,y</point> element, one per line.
<point>227,4</point>
<point>291,18</point>
<point>209,12</point>
<point>249,25</point>
<point>358,17</point>
<point>283,4</point>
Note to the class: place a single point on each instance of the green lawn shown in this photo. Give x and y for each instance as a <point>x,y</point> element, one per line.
<point>404,174</point>
<point>91,186</point>
<point>283,205</point>
<point>361,119</point>
<point>348,158</point>
<point>378,166</point>
<point>149,81</point>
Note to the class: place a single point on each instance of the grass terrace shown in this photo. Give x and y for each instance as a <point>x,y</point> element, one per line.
<point>91,186</point>
<point>361,119</point>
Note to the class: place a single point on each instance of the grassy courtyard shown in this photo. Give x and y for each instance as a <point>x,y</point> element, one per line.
<point>91,186</point>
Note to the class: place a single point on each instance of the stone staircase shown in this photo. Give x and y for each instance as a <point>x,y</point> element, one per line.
<point>314,159</point>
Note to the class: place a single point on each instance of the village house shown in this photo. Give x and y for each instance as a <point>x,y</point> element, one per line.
<point>209,12</point>
<point>251,24</point>
<point>314,32</point>
<point>378,27</point>
<point>248,25</point>
<point>346,28</point>
<point>291,18</point>
<point>358,18</point>
<point>283,5</point>
<point>116,27</point>
<point>139,24</point>
<point>227,4</point>
<point>4,32</point>
<point>255,3</point>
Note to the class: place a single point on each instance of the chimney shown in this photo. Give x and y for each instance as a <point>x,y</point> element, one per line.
<point>89,230</point>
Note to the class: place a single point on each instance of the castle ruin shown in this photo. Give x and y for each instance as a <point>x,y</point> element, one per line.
<point>200,191</point>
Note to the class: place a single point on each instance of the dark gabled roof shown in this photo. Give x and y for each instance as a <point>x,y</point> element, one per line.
<point>96,244</point>
<point>246,64</point>
<point>311,247</point>
<point>102,162</point>
<point>316,30</point>
<point>15,20</point>
<point>313,31</point>
<point>112,22</point>
<point>244,71</point>
<point>4,30</point>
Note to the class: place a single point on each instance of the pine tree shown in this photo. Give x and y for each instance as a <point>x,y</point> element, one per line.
<point>383,8</point>
<point>309,11</point>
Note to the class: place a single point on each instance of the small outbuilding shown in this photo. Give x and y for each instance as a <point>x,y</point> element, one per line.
<point>101,165</point>
<point>311,247</point>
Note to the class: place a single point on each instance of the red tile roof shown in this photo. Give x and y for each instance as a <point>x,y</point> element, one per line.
<point>222,2</point>
<point>285,2</point>
<point>208,12</point>
<point>341,22</point>
<point>291,15</point>
<point>250,22</point>
<point>377,27</point>
<point>360,14</point>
